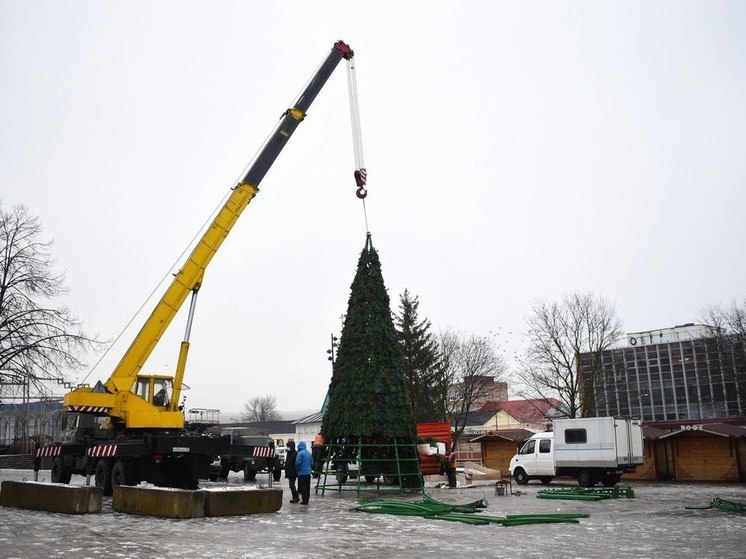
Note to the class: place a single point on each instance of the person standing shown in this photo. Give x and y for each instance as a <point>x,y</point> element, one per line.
<point>291,473</point>
<point>317,454</point>
<point>450,466</point>
<point>303,468</point>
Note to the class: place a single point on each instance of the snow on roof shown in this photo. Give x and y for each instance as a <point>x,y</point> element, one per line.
<point>721,429</point>
<point>515,435</point>
<point>313,418</point>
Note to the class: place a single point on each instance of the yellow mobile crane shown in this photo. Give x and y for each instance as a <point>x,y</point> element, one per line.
<point>131,428</point>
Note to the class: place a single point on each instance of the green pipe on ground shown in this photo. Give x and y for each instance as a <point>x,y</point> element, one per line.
<point>482,517</point>
<point>522,522</point>
<point>587,493</point>
<point>723,505</point>
<point>549,515</point>
<point>464,519</point>
<point>432,509</point>
<point>570,497</point>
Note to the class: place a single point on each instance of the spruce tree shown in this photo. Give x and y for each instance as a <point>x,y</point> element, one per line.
<point>367,395</point>
<point>420,358</point>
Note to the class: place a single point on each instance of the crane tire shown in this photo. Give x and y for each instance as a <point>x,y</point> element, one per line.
<point>103,477</point>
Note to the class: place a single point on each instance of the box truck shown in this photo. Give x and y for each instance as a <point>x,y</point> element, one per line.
<point>592,450</point>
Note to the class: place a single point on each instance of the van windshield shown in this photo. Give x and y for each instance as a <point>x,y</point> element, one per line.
<point>528,448</point>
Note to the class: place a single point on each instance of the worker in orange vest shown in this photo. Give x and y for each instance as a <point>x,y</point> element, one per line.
<point>317,454</point>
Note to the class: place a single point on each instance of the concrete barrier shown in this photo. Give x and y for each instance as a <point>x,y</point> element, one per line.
<point>232,502</point>
<point>51,497</point>
<point>141,500</point>
<point>159,501</point>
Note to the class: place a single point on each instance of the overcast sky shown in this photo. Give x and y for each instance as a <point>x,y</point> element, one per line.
<point>516,151</point>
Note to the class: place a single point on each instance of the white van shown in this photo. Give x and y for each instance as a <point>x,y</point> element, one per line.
<point>592,450</point>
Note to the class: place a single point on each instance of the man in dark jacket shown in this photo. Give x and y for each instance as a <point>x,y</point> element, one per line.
<point>450,466</point>
<point>291,473</point>
<point>303,467</point>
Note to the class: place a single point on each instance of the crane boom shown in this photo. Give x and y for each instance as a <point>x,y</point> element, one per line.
<point>189,278</point>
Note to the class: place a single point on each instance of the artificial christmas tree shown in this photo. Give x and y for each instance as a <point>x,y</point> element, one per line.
<point>368,423</point>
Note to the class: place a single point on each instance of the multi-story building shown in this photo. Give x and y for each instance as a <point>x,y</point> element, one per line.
<point>688,372</point>
<point>688,385</point>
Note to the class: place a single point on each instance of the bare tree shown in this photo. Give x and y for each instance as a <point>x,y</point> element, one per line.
<point>261,408</point>
<point>728,326</point>
<point>469,367</point>
<point>730,320</point>
<point>444,376</point>
<point>558,333</point>
<point>38,340</point>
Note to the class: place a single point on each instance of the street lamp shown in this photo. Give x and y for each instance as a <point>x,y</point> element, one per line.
<point>330,351</point>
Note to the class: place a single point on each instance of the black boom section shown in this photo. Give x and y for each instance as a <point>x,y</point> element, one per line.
<point>293,116</point>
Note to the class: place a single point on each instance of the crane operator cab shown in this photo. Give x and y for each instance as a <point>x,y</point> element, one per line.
<point>154,389</point>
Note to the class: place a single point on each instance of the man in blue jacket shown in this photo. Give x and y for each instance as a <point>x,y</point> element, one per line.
<point>303,467</point>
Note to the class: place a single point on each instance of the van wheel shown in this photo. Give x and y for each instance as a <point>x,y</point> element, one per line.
<point>521,477</point>
<point>585,479</point>
<point>546,480</point>
<point>610,481</point>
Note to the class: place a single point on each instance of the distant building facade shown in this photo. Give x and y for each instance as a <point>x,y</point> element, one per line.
<point>485,388</point>
<point>533,414</point>
<point>307,427</point>
<point>24,426</point>
<point>687,372</point>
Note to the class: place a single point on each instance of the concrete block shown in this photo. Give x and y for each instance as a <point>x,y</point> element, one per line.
<point>159,501</point>
<point>51,497</point>
<point>239,501</point>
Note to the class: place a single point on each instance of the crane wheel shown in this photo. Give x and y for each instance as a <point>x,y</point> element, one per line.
<point>123,473</point>
<point>103,477</point>
<point>60,472</point>
<point>249,474</point>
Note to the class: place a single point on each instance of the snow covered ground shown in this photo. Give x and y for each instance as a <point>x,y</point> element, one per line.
<point>654,524</point>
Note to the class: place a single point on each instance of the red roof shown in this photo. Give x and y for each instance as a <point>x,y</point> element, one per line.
<point>525,411</point>
<point>652,433</point>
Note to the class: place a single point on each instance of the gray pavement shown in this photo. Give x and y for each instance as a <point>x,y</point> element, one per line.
<point>653,524</point>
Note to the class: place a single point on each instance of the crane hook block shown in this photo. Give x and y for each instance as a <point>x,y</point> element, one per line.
<point>361,178</point>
